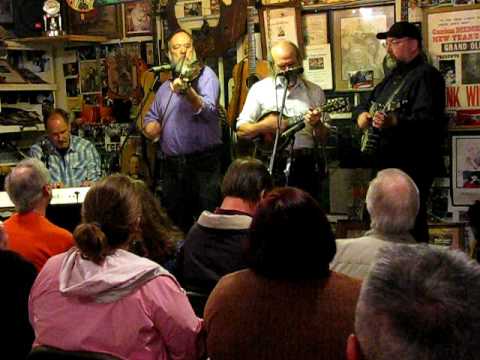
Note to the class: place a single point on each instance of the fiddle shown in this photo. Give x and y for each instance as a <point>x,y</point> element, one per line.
<point>187,71</point>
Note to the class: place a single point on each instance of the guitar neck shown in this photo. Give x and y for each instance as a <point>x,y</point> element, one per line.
<point>252,58</point>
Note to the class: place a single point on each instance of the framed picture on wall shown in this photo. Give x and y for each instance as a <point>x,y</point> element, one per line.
<point>314,28</point>
<point>6,12</point>
<point>465,173</point>
<point>356,47</point>
<point>137,18</point>
<point>104,20</point>
<point>280,24</point>
<point>447,235</point>
<point>91,76</point>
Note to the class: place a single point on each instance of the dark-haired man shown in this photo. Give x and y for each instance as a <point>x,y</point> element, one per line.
<point>214,245</point>
<point>408,108</point>
<point>70,160</point>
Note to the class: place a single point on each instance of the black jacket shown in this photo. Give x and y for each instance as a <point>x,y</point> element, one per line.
<point>414,145</point>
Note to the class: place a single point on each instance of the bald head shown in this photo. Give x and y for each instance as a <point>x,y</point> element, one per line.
<point>285,55</point>
<point>392,201</point>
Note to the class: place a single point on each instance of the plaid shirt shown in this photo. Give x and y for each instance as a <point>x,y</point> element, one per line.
<point>81,162</point>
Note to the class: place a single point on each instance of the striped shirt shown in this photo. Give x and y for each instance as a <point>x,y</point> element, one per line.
<point>80,163</point>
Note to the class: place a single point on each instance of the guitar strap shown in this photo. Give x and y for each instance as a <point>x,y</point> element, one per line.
<point>396,91</point>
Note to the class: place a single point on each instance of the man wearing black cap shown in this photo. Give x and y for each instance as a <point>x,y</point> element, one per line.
<point>406,111</point>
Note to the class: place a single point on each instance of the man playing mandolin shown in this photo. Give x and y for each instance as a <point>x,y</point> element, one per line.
<point>411,134</point>
<point>259,116</point>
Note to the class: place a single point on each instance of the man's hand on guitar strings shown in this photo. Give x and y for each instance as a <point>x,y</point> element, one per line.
<point>364,120</point>
<point>313,117</point>
<point>382,120</point>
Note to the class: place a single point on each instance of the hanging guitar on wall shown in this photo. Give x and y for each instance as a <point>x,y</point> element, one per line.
<point>247,72</point>
<point>216,40</point>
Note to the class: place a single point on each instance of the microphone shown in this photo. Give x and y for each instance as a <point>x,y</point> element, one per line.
<point>295,71</point>
<point>293,129</point>
<point>46,152</point>
<point>160,68</point>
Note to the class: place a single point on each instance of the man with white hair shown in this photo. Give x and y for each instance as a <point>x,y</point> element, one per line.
<point>418,302</point>
<point>29,232</point>
<point>184,119</point>
<point>393,203</point>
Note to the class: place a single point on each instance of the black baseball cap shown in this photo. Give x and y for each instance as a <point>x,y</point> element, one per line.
<point>402,29</point>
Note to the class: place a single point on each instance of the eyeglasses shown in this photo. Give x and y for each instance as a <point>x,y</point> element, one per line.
<point>395,42</point>
<point>185,46</point>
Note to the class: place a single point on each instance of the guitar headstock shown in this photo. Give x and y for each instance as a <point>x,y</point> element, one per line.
<point>334,105</point>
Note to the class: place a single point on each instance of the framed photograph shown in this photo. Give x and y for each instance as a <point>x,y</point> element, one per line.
<point>192,9</point>
<point>121,75</point>
<point>465,172</point>
<point>448,235</point>
<point>6,12</point>
<point>280,24</point>
<point>90,77</point>
<point>104,20</point>
<point>137,18</point>
<point>314,28</point>
<point>356,47</point>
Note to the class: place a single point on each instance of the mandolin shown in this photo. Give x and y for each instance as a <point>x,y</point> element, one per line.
<point>247,72</point>
<point>264,143</point>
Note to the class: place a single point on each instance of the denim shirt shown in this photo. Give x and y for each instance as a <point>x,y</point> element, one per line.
<point>80,163</point>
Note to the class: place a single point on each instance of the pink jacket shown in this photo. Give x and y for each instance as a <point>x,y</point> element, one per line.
<point>128,307</point>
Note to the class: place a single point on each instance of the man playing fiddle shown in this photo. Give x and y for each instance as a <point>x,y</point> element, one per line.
<point>302,97</point>
<point>184,118</point>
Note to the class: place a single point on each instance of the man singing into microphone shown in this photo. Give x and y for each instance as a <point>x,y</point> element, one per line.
<point>184,119</point>
<point>302,98</point>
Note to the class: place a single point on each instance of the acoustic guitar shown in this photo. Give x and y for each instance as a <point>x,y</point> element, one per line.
<point>247,72</point>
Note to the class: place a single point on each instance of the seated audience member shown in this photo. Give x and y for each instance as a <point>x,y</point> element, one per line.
<point>29,232</point>
<point>17,279</point>
<point>418,302</point>
<point>392,202</point>
<point>99,297</point>
<point>158,237</point>
<point>287,304</point>
<point>71,160</point>
<point>214,246</point>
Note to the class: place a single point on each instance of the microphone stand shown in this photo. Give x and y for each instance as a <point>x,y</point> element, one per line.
<point>279,122</point>
<point>45,158</point>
